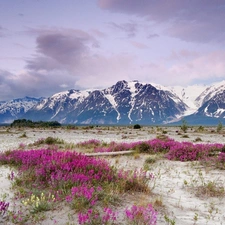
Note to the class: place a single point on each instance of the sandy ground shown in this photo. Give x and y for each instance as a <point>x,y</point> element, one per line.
<point>176,190</point>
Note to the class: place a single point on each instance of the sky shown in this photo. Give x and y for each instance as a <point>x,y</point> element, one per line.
<point>49,46</point>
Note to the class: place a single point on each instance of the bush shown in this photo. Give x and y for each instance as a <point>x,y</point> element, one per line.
<point>29,123</point>
<point>143,147</point>
<point>198,139</point>
<point>219,127</point>
<point>184,126</point>
<point>200,128</point>
<point>137,126</point>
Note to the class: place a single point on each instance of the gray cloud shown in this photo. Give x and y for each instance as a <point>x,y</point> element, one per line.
<point>150,36</point>
<point>70,59</point>
<point>60,49</point>
<point>56,64</point>
<point>15,86</point>
<point>129,28</point>
<point>196,21</point>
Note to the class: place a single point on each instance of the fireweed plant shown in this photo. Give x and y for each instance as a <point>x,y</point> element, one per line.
<point>87,184</point>
<point>173,150</point>
<point>3,208</point>
<point>90,185</point>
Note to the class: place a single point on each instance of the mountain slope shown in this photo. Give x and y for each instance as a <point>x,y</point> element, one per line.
<point>123,103</point>
<point>16,108</point>
<point>56,106</point>
<point>212,106</point>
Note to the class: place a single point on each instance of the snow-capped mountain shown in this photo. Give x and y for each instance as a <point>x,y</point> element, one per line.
<point>57,106</point>
<point>211,104</point>
<point>123,103</point>
<point>16,108</point>
<point>210,92</point>
<point>212,101</point>
<point>189,95</point>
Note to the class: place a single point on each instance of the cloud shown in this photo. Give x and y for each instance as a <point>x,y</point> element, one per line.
<point>98,33</point>
<point>195,67</point>
<point>194,21</point>
<point>129,28</point>
<point>64,46</point>
<point>204,67</point>
<point>71,60</point>
<point>183,54</point>
<point>138,45</point>
<point>150,36</point>
<point>66,59</point>
<point>14,86</point>
<point>60,49</point>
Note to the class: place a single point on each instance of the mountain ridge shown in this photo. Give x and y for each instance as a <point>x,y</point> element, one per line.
<point>122,103</point>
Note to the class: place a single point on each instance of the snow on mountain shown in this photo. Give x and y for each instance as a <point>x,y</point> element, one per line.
<point>122,103</point>
<point>10,110</point>
<point>210,92</point>
<point>187,94</point>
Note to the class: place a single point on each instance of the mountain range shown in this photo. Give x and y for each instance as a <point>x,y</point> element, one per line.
<point>124,103</point>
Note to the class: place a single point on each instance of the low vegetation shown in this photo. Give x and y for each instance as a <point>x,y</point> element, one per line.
<point>89,185</point>
<point>137,126</point>
<point>28,123</point>
<point>50,177</point>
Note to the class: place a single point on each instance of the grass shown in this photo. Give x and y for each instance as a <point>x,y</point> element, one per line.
<point>23,135</point>
<point>210,189</point>
<point>205,188</point>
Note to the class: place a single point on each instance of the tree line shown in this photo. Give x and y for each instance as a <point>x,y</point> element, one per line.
<point>30,123</point>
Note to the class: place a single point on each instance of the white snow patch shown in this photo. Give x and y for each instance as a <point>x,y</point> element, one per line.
<point>79,94</point>
<point>134,92</point>
<point>114,104</point>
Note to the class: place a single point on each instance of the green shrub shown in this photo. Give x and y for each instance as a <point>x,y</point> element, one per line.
<point>23,135</point>
<point>185,136</point>
<point>201,128</point>
<point>219,127</point>
<point>143,147</point>
<point>198,139</point>
<point>137,126</point>
<point>184,126</point>
<point>150,160</point>
<point>51,141</point>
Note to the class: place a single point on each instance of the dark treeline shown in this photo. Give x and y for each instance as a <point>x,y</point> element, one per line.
<point>29,123</point>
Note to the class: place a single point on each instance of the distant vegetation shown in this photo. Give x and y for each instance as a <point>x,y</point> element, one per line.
<point>137,126</point>
<point>29,123</point>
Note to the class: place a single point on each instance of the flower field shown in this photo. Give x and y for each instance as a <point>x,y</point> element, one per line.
<point>164,180</point>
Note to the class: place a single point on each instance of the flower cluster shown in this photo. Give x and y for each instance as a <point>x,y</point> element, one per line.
<point>187,151</point>
<point>83,196</point>
<point>38,204</point>
<point>73,177</point>
<point>140,215</point>
<point>221,157</point>
<point>3,207</point>
<point>183,151</point>
<point>94,217</point>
